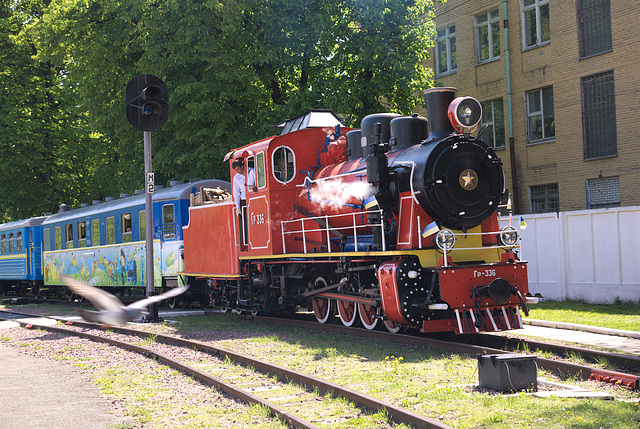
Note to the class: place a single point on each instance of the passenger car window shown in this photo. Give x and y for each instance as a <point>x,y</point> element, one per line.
<point>3,240</point>
<point>111,230</point>
<point>19,242</point>
<point>126,228</point>
<point>68,228</point>
<point>168,221</point>
<point>95,232</point>
<point>82,234</point>
<point>142,222</point>
<point>58,238</point>
<point>47,239</point>
<point>11,243</point>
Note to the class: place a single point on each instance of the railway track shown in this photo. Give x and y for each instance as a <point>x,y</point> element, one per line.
<point>253,381</point>
<point>486,344</point>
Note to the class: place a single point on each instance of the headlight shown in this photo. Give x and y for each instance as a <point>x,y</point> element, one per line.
<point>464,112</point>
<point>508,236</point>
<point>445,239</point>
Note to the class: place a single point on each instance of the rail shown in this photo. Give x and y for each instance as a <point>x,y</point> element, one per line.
<point>325,226</point>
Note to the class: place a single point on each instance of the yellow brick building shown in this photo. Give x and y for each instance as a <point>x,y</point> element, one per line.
<point>559,83</point>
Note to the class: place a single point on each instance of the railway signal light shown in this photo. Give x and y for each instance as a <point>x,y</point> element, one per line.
<point>147,102</point>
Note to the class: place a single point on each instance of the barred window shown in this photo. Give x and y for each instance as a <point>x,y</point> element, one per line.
<point>541,118</point>
<point>599,116</point>
<point>603,192</point>
<point>594,27</point>
<point>493,118</point>
<point>488,36</point>
<point>544,198</point>
<point>446,56</point>
<point>535,22</point>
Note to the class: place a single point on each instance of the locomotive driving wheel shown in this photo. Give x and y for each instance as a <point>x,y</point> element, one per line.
<point>368,315</point>
<point>348,311</point>
<point>392,326</point>
<point>323,308</point>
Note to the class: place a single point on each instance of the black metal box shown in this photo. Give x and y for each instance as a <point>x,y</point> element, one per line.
<point>508,372</point>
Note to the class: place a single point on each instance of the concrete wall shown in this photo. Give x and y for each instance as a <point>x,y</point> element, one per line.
<point>592,255</point>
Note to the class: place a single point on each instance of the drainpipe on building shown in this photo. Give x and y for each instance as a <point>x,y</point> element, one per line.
<point>512,151</point>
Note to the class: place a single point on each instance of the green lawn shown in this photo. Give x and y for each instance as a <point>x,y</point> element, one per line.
<point>620,315</point>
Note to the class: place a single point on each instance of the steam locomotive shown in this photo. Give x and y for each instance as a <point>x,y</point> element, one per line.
<point>393,224</point>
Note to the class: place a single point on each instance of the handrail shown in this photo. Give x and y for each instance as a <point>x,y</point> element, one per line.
<point>328,229</point>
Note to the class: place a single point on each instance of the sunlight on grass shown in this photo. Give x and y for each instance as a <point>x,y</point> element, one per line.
<point>619,315</point>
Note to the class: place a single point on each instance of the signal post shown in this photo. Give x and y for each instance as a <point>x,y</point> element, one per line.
<point>147,110</point>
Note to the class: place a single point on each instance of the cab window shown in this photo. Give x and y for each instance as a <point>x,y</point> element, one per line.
<point>68,228</point>
<point>283,164</point>
<point>82,234</point>
<point>11,243</point>
<point>111,230</point>
<point>126,228</point>
<point>19,242</point>
<point>95,232</point>
<point>261,176</point>
<point>168,221</point>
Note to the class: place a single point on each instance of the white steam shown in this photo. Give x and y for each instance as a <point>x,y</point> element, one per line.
<point>334,194</point>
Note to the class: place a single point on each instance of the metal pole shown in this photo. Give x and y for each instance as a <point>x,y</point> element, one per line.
<point>153,309</point>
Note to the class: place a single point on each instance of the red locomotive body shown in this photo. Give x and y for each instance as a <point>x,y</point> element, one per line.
<point>393,224</point>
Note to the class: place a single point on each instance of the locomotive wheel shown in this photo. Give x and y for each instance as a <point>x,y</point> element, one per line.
<point>348,312</point>
<point>392,326</point>
<point>323,308</point>
<point>368,315</point>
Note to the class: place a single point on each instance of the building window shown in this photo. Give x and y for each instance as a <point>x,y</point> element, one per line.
<point>541,119</point>
<point>488,36</point>
<point>95,232</point>
<point>599,116</point>
<point>446,58</point>
<point>126,228</point>
<point>535,22</point>
<point>168,221</point>
<point>594,27</point>
<point>544,198</point>
<point>493,118</point>
<point>603,192</point>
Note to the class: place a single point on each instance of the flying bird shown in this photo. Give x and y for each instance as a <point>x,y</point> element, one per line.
<point>112,310</point>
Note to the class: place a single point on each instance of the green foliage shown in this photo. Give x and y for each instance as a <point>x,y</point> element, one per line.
<point>233,69</point>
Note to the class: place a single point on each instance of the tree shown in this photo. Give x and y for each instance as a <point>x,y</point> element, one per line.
<point>233,69</point>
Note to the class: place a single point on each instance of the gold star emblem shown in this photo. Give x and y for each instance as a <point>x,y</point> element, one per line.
<point>468,179</point>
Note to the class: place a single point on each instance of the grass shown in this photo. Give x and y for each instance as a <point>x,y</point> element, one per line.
<point>427,381</point>
<point>623,315</point>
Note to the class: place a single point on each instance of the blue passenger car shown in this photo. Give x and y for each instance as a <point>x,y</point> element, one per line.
<point>104,244</point>
<point>21,256</point>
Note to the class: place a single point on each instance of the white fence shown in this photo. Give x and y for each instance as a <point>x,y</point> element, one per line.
<point>592,255</point>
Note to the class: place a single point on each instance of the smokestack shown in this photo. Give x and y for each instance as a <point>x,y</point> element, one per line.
<point>437,101</point>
